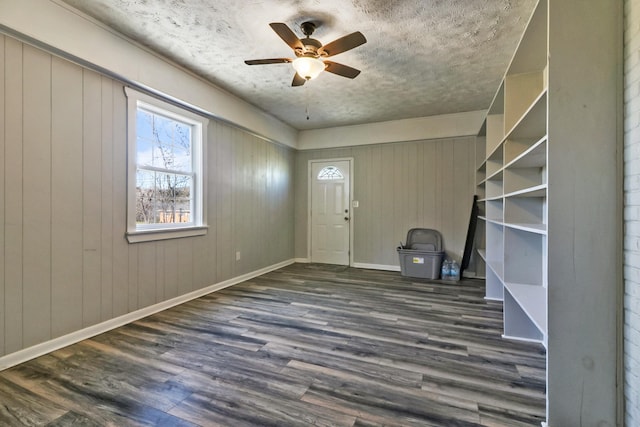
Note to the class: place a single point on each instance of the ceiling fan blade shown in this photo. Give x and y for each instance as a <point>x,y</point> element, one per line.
<point>297,80</point>
<point>343,44</point>
<point>287,35</point>
<point>267,61</point>
<point>341,70</point>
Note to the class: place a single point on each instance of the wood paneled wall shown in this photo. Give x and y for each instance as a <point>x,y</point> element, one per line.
<point>428,184</point>
<point>64,261</point>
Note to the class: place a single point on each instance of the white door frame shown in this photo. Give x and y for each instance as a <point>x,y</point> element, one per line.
<point>350,202</point>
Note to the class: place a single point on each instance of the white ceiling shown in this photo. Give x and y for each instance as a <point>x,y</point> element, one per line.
<point>422,57</point>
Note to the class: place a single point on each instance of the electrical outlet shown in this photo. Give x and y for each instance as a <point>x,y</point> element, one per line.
<point>238,256</point>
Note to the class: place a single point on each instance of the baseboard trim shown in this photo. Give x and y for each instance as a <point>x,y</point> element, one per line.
<point>302,260</point>
<point>38,350</point>
<point>376,266</point>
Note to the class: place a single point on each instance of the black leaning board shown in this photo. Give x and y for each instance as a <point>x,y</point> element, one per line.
<point>471,233</point>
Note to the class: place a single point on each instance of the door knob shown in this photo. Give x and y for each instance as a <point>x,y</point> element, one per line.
<point>346,218</point>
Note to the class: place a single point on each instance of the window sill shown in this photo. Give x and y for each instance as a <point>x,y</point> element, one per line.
<point>165,234</point>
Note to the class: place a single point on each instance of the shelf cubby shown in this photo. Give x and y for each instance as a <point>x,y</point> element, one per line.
<point>481,149</point>
<point>520,92</point>
<point>525,153</point>
<point>494,289</point>
<point>495,241</point>
<point>495,210</point>
<point>532,124</point>
<point>494,186</point>
<point>523,257</point>
<point>519,179</point>
<point>495,162</point>
<point>525,213</point>
<point>518,324</point>
<point>531,54</point>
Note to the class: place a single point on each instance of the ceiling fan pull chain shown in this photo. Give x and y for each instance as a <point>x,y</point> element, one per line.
<point>306,95</point>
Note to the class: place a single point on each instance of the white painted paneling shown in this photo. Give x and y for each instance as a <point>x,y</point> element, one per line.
<point>120,283</point>
<point>13,161</point>
<point>170,269</point>
<point>147,274</point>
<point>91,198</point>
<point>66,192</point>
<point>107,196</point>
<point>64,215</point>
<point>36,178</point>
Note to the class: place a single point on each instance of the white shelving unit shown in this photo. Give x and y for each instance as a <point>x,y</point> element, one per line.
<point>550,187</point>
<point>512,178</point>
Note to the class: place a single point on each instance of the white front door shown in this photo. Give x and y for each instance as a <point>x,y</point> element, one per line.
<point>330,212</point>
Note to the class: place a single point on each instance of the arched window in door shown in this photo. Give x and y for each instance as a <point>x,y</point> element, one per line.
<point>330,173</point>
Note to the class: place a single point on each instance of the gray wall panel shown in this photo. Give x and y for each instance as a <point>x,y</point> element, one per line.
<point>107,198</point>
<point>399,186</point>
<point>91,121</point>
<point>36,179</point>
<point>66,191</point>
<point>118,161</point>
<point>13,224</point>
<point>66,263</point>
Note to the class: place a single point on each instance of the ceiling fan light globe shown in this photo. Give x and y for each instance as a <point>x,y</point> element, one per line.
<point>308,67</point>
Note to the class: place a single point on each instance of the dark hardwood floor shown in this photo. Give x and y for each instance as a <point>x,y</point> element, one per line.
<point>304,345</point>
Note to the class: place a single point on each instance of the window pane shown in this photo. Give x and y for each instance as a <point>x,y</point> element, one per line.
<point>329,173</point>
<point>144,138</point>
<point>183,198</point>
<point>163,142</point>
<point>163,198</point>
<point>145,197</point>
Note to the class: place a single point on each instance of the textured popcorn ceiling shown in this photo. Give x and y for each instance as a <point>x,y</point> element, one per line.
<point>422,58</point>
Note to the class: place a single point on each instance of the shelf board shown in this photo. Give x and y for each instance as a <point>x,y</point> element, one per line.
<point>533,301</point>
<point>534,156</point>
<point>517,338</point>
<point>483,254</point>
<point>496,221</point>
<point>491,199</point>
<point>536,191</point>
<point>497,267</point>
<point>494,175</point>
<point>532,228</point>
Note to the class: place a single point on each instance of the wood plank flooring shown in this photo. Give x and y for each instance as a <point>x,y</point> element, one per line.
<point>305,345</point>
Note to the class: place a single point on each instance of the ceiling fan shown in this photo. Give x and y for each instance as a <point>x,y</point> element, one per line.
<point>310,53</point>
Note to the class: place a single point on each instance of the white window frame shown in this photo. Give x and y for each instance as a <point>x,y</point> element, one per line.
<point>149,232</point>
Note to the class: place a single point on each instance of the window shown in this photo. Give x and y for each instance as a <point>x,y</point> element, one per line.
<point>165,170</point>
<point>329,173</point>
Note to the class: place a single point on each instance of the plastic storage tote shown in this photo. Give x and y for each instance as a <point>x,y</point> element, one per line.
<point>422,255</point>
